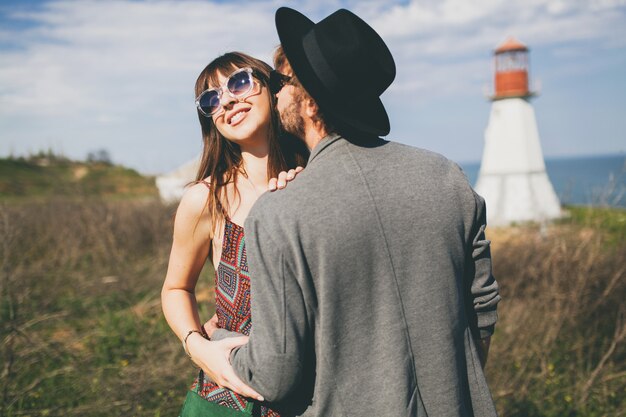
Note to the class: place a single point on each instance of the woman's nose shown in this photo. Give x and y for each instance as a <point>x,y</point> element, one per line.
<point>227,100</point>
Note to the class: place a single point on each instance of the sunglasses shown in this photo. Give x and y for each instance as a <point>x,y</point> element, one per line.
<point>237,85</point>
<point>278,81</point>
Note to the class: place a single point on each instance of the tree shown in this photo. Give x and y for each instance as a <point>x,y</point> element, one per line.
<point>99,156</point>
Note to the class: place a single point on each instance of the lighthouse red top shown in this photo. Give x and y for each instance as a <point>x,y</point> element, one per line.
<point>511,64</point>
<point>511,44</point>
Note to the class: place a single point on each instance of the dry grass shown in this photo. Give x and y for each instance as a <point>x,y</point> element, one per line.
<point>82,331</point>
<point>559,349</point>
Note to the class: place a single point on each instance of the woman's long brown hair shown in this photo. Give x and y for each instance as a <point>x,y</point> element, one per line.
<point>221,158</point>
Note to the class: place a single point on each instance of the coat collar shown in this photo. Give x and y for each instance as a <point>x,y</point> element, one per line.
<point>323,144</point>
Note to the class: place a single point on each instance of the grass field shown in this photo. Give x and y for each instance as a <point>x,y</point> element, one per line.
<point>82,333</point>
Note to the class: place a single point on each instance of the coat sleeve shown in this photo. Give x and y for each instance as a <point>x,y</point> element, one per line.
<point>483,287</point>
<point>221,334</point>
<point>271,362</point>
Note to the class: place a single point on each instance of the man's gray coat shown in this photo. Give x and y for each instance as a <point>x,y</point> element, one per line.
<point>371,280</point>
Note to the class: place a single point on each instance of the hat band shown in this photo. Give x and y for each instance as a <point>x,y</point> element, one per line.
<point>319,64</point>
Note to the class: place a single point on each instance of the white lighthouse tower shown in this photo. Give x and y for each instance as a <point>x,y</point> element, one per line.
<point>512,177</point>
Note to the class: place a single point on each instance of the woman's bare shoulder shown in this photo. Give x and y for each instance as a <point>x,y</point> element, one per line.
<point>194,199</point>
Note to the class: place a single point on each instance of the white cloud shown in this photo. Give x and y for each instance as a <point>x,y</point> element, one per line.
<point>466,19</point>
<point>442,47</point>
<point>84,55</point>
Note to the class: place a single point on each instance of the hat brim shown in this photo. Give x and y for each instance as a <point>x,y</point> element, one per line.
<point>364,115</point>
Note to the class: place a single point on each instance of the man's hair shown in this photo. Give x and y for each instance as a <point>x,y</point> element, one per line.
<point>280,62</point>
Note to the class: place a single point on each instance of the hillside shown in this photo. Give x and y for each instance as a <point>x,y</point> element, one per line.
<point>47,175</point>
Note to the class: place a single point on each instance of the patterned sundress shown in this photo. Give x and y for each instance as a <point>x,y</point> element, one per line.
<point>232,304</point>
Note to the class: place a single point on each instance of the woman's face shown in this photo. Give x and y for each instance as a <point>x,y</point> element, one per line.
<point>246,119</point>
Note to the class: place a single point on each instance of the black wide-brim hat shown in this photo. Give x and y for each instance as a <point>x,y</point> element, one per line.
<point>342,63</point>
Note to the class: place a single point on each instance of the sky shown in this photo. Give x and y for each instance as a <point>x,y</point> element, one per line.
<point>80,76</point>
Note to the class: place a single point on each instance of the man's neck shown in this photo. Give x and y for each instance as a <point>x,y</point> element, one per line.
<point>313,134</point>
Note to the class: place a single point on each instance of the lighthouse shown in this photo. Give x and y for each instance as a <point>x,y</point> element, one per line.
<point>512,177</point>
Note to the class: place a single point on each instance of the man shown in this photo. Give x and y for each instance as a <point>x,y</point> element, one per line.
<point>372,292</point>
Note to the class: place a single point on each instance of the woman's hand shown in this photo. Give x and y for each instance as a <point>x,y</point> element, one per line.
<point>211,326</point>
<point>214,359</point>
<point>283,178</point>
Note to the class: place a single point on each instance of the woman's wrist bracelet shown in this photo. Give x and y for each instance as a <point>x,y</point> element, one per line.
<point>201,333</point>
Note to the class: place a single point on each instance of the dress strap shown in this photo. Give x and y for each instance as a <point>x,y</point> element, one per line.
<point>219,204</point>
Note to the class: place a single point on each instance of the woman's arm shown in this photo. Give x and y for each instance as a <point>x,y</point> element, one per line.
<point>190,248</point>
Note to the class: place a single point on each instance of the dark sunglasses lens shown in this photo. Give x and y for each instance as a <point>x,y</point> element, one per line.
<point>209,102</point>
<point>275,82</point>
<point>240,83</point>
<point>278,81</point>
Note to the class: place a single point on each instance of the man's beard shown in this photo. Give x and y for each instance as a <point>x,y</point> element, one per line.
<point>292,120</point>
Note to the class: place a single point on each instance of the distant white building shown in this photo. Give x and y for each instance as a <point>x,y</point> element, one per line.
<point>512,176</point>
<point>172,185</point>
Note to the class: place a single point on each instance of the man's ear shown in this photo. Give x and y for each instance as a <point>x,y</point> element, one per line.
<point>310,108</point>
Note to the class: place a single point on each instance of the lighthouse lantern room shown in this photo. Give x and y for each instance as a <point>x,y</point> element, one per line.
<point>511,70</point>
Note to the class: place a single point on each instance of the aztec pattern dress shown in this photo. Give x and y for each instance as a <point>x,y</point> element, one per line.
<point>232,303</point>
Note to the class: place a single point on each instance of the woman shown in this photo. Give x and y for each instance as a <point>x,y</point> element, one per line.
<point>242,149</point>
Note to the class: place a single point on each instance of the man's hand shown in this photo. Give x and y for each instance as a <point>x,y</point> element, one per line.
<point>214,359</point>
<point>284,177</point>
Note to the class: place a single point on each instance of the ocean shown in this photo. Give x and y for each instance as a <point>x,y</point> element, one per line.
<point>592,180</point>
